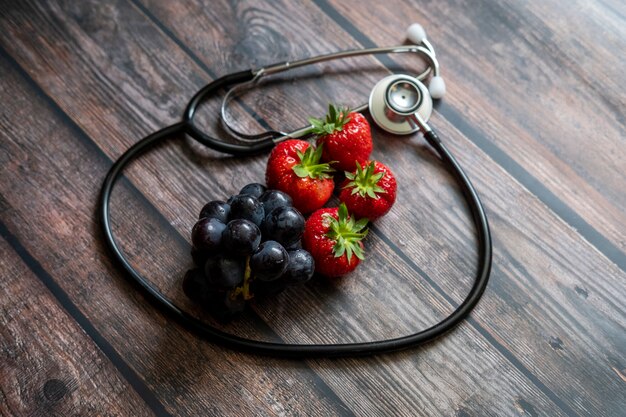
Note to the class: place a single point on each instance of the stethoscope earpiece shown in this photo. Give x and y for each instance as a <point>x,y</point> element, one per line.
<point>416,33</point>
<point>437,87</point>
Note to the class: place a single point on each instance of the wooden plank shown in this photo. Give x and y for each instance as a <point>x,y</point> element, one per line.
<point>511,386</point>
<point>48,365</point>
<point>522,255</point>
<point>233,186</point>
<point>527,80</point>
<point>278,42</point>
<point>591,216</point>
<point>134,223</point>
<point>49,208</point>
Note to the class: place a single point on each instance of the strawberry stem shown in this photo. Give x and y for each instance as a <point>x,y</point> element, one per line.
<point>310,166</point>
<point>364,181</point>
<point>334,121</point>
<point>348,234</point>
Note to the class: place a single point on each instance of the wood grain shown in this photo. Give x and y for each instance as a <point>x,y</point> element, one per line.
<point>513,267</point>
<point>531,90</point>
<point>548,337</point>
<point>363,399</point>
<point>48,366</point>
<point>213,380</point>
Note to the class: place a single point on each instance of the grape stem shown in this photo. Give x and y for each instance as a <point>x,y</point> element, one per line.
<point>244,289</point>
<point>246,281</point>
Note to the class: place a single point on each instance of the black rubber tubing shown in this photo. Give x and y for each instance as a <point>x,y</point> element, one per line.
<point>286,350</point>
<point>219,145</point>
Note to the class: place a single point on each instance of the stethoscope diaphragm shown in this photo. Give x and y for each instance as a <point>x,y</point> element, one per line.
<point>393,101</point>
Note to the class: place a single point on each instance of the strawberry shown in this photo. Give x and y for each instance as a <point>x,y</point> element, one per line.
<point>294,167</point>
<point>346,137</point>
<point>370,191</point>
<point>333,238</point>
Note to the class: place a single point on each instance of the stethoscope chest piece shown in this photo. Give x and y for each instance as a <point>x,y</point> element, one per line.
<point>395,99</point>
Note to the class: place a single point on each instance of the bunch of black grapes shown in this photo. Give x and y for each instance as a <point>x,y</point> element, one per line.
<point>248,247</point>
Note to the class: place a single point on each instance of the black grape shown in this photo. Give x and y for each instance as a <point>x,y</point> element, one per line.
<point>269,261</point>
<point>301,267</point>
<point>247,207</point>
<point>225,273</point>
<point>272,199</point>
<point>206,235</point>
<point>284,225</point>
<point>241,237</point>
<point>216,209</point>
<point>254,189</point>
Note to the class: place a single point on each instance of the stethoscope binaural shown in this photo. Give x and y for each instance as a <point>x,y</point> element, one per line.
<point>399,104</point>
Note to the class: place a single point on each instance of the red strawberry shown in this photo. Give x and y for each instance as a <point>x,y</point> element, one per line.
<point>346,137</point>
<point>294,167</point>
<point>334,240</point>
<point>370,191</point>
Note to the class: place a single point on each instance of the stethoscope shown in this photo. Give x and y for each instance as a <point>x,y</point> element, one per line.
<point>399,104</point>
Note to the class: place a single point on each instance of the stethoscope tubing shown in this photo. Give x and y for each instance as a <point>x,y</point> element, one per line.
<point>230,148</point>
<point>251,77</point>
<point>287,350</point>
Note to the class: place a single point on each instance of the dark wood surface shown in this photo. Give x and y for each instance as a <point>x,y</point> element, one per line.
<point>534,111</point>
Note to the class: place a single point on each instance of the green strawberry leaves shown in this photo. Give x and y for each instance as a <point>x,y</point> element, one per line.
<point>310,166</point>
<point>347,233</point>
<point>334,121</point>
<point>364,181</point>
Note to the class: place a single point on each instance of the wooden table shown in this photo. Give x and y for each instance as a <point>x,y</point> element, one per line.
<point>534,111</point>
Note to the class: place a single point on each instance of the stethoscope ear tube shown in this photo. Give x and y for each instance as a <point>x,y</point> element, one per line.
<point>207,91</point>
<point>215,335</point>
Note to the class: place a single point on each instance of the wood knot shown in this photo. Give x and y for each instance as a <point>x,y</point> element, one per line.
<point>54,390</point>
<point>581,291</point>
<point>556,343</point>
<point>462,412</point>
<point>526,408</point>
